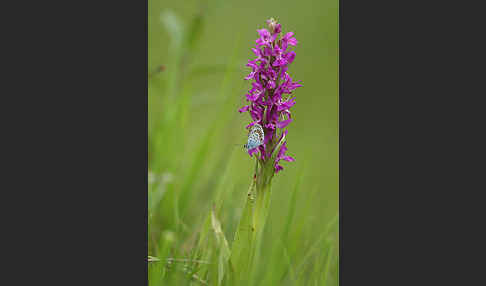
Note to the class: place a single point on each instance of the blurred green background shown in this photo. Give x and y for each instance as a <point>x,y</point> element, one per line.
<point>194,126</point>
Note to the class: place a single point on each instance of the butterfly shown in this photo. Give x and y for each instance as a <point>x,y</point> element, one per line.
<point>255,137</point>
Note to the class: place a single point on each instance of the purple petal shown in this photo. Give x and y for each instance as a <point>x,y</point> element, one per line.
<point>288,159</point>
<point>286,105</point>
<point>264,33</point>
<point>251,124</point>
<point>272,74</point>
<point>288,35</point>
<point>262,151</point>
<point>244,108</point>
<point>257,52</point>
<point>274,37</point>
<point>259,102</point>
<point>270,126</point>
<point>284,45</point>
<point>296,84</point>
<point>282,150</point>
<point>269,102</point>
<point>250,76</point>
<point>290,56</point>
<point>272,116</point>
<point>252,151</point>
<point>256,85</point>
<point>287,113</point>
<point>293,41</point>
<point>283,124</point>
<point>251,97</point>
<point>276,51</point>
<point>278,168</point>
<point>256,114</point>
<point>270,84</point>
<point>267,52</point>
<point>278,92</point>
<point>252,64</point>
<point>280,62</point>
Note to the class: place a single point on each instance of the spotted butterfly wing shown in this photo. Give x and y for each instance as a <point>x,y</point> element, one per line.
<point>255,137</point>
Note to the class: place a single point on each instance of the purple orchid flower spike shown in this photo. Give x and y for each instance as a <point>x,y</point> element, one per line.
<point>268,104</point>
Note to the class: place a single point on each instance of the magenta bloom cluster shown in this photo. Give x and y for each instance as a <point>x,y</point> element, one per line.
<point>269,98</point>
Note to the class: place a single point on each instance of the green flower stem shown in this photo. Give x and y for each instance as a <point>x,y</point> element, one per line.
<point>252,222</point>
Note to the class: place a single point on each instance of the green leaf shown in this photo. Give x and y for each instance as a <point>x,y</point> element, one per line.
<point>242,244</point>
<point>224,251</point>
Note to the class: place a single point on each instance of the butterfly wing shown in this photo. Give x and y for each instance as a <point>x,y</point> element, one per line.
<point>255,137</point>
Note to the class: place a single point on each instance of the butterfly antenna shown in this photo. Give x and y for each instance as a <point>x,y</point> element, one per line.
<point>240,145</point>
